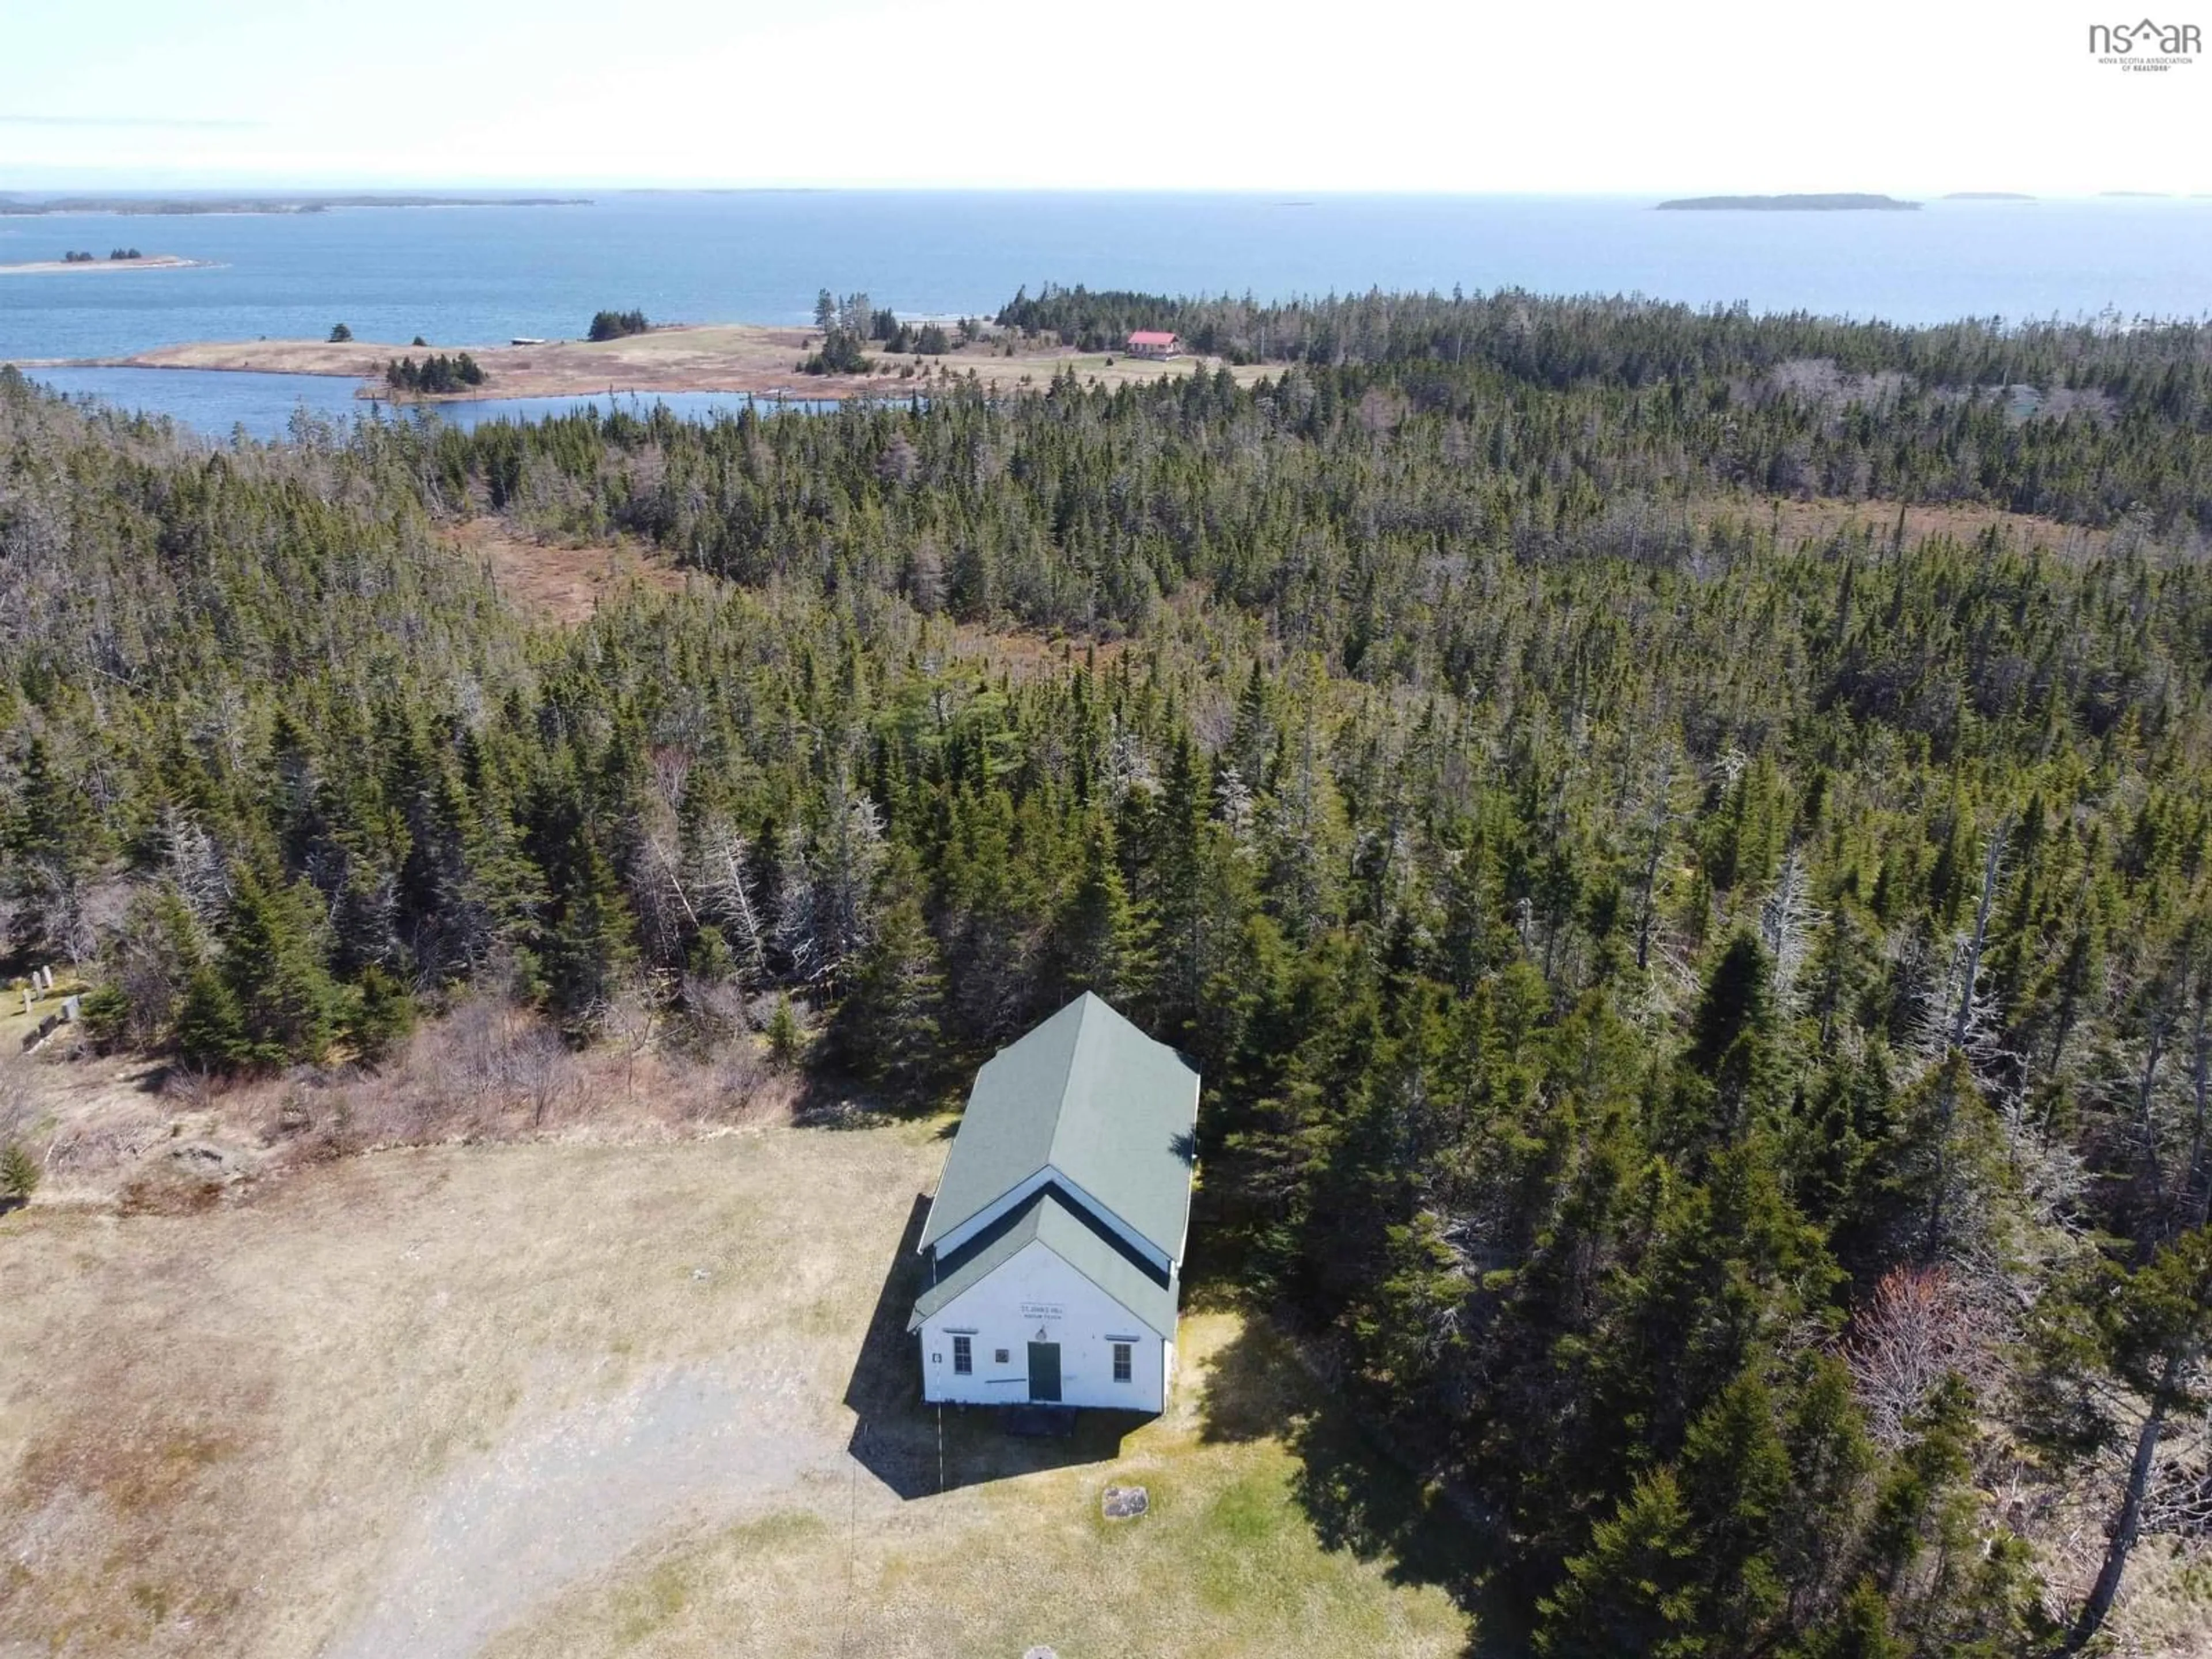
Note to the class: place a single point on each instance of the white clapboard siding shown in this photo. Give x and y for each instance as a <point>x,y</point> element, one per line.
<point>1035,1291</point>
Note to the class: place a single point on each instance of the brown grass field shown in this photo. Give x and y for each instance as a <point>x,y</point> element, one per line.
<point>564,583</point>
<point>706,357</point>
<point>625,1376</point>
<point>1799,521</point>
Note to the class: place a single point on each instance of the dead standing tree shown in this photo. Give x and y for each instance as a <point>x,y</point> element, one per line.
<point>725,886</point>
<point>1964,1031</point>
<point>2154,1335</point>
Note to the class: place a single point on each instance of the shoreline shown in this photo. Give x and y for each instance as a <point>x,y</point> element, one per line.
<point>730,358</point>
<point>148,262</point>
<point>193,207</point>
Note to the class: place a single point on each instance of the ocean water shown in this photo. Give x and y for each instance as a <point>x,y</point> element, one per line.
<point>221,402</point>
<point>468,276</point>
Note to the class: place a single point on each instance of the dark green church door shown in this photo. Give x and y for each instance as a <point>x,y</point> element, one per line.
<point>1044,1370</point>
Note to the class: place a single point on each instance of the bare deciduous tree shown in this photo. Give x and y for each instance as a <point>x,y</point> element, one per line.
<point>1914,1330</point>
<point>631,1018</point>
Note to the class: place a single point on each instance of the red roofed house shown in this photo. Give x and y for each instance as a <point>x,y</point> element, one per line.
<point>1146,343</point>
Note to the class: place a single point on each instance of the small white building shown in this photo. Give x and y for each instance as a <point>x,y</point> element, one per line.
<point>1055,1244</point>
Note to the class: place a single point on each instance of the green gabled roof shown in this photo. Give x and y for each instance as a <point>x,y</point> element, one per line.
<point>1089,1095</point>
<point>1044,1219</point>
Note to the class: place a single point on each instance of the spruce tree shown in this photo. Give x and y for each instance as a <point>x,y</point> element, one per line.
<point>19,1174</point>
<point>1097,942</point>
<point>589,945</point>
<point>889,1024</point>
<point>1635,1589</point>
<point>1858,1629</point>
<point>1737,1483</point>
<point>210,1034</point>
<point>50,843</point>
<point>284,1000</point>
<point>381,1014</point>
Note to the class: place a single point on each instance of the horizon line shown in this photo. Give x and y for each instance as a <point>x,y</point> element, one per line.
<point>248,185</point>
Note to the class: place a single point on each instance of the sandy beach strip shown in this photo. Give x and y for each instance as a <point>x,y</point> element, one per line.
<point>145,262</point>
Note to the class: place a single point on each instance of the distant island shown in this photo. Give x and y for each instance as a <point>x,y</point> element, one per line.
<point>1841,202</point>
<point>169,205</point>
<point>2138,195</point>
<point>1835,202</point>
<point>121,260</point>
<point>1989,196</point>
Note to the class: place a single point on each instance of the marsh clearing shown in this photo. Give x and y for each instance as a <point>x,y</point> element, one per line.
<point>564,1398</point>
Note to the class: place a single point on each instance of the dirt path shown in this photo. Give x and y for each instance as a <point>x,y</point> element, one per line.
<point>570,1495</point>
<point>386,1406</point>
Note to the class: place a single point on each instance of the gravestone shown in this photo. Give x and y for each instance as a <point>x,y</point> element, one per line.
<point>27,1002</point>
<point>69,1008</point>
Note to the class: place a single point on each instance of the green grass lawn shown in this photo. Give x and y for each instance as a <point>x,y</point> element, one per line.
<point>1271,1531</point>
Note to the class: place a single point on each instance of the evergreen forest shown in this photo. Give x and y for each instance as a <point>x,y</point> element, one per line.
<point>1677,839</point>
<point>436,373</point>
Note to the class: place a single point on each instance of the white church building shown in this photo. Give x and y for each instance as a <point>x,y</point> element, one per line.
<point>1055,1245</point>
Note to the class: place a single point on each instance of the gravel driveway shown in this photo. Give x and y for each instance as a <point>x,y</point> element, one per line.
<point>572,1492</point>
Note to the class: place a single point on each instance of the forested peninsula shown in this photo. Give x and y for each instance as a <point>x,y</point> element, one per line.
<point>1678,841</point>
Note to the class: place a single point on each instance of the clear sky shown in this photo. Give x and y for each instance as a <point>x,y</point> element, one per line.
<point>1663,95</point>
